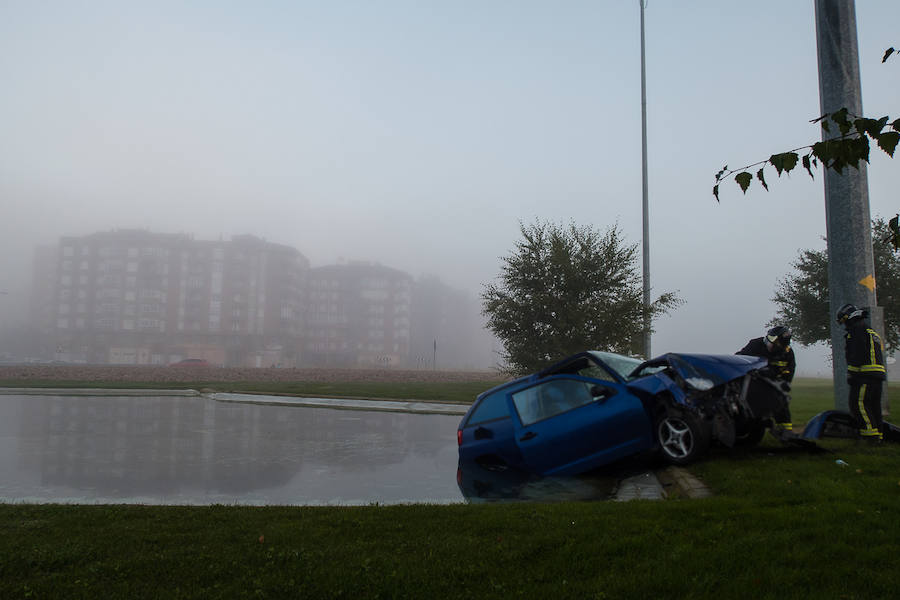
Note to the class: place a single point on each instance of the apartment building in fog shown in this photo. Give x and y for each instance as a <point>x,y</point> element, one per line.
<point>359,315</point>
<point>136,297</point>
<point>133,297</point>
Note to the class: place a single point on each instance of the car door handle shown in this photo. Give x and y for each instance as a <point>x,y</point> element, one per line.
<point>528,436</point>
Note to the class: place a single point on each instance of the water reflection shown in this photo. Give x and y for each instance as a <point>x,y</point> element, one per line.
<point>162,450</point>
<point>491,482</point>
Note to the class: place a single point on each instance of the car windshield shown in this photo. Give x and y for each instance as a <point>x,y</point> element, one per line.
<point>622,365</point>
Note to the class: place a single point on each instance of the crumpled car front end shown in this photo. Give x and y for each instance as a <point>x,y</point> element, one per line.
<point>729,394</point>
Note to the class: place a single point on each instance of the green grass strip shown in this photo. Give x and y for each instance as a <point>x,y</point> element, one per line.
<point>783,524</point>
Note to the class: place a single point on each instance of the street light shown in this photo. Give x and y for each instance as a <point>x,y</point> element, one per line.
<point>646,205</point>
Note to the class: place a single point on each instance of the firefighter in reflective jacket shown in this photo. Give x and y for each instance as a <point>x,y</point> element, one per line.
<point>865,371</point>
<point>775,347</point>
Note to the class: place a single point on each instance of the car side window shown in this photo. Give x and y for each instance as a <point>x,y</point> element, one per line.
<point>551,398</point>
<point>492,407</point>
<point>596,372</point>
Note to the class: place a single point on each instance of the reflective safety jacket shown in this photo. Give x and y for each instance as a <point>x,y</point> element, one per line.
<point>781,361</point>
<point>864,350</point>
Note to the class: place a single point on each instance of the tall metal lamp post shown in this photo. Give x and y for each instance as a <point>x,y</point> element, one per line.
<point>646,204</point>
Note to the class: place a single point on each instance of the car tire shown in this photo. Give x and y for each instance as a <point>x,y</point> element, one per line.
<point>682,437</point>
<point>752,435</point>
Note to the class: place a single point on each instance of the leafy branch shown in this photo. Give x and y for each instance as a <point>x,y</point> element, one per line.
<point>837,153</point>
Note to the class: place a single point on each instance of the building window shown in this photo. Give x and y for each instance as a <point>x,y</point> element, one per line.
<point>150,309</point>
<point>150,324</point>
<point>106,324</point>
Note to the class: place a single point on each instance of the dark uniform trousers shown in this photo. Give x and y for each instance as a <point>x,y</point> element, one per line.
<point>865,406</point>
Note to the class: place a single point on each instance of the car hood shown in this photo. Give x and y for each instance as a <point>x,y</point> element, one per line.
<point>701,371</point>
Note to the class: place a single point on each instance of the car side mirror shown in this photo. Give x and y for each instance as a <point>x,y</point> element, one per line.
<point>602,394</point>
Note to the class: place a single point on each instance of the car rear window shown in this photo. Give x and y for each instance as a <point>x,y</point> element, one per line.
<point>490,408</point>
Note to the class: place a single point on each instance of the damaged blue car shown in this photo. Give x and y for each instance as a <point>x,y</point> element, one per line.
<point>594,408</point>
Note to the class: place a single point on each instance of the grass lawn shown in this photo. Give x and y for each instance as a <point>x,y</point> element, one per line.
<point>809,397</point>
<point>783,523</point>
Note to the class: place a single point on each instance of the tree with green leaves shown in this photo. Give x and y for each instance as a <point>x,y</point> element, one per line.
<point>565,289</point>
<point>802,297</point>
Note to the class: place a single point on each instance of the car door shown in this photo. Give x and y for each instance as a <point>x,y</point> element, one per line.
<point>569,424</point>
<point>486,434</point>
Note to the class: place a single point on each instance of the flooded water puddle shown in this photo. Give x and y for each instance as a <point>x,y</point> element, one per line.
<point>195,450</point>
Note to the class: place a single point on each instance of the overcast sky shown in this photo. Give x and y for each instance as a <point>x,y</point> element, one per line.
<point>419,133</point>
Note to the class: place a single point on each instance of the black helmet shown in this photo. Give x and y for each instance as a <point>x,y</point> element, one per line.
<point>780,335</point>
<point>848,312</point>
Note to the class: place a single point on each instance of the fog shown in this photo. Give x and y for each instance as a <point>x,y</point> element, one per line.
<point>419,134</point>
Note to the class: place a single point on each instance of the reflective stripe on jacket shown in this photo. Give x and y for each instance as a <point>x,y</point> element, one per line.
<point>865,351</point>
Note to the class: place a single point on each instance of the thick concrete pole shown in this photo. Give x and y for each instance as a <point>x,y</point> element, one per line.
<point>851,269</point>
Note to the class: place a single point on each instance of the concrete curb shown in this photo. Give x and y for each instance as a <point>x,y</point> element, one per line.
<point>679,482</point>
<point>645,486</point>
<point>407,406</point>
<point>370,404</point>
<point>94,392</point>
